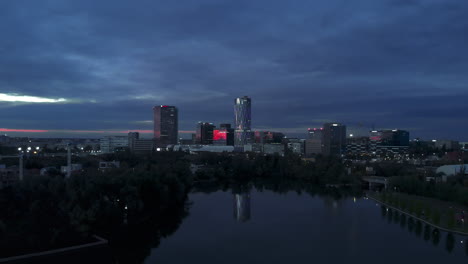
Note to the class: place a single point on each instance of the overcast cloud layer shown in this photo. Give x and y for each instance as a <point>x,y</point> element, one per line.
<point>102,65</point>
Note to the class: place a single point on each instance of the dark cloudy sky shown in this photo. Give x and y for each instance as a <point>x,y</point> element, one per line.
<point>92,65</point>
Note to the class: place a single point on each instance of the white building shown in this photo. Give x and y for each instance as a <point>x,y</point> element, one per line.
<point>110,143</point>
<point>451,170</point>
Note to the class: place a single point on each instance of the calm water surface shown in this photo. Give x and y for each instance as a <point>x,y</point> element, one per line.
<point>268,227</point>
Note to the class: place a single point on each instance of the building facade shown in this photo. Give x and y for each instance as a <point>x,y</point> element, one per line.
<point>334,139</point>
<point>314,143</point>
<point>111,144</point>
<point>204,134</point>
<point>243,121</point>
<point>357,146</point>
<point>166,125</point>
<point>224,135</point>
<point>389,141</point>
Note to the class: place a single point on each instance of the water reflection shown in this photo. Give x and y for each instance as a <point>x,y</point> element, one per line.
<point>242,207</point>
<point>427,232</point>
<point>435,237</point>
<point>450,242</point>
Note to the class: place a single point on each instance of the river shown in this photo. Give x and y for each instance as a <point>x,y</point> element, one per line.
<point>268,227</point>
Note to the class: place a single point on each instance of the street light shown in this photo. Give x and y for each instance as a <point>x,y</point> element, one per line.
<point>19,149</point>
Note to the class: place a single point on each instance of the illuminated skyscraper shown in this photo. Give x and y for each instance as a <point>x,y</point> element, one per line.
<point>242,114</point>
<point>166,128</point>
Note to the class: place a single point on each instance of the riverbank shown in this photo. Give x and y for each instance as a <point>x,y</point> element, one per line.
<point>419,211</point>
<point>100,242</point>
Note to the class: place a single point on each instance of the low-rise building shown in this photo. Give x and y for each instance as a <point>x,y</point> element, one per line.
<point>452,170</point>
<point>111,143</point>
<point>105,165</point>
<point>74,168</point>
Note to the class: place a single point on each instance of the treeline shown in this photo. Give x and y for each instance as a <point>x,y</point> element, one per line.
<point>133,207</point>
<point>454,190</point>
<point>325,170</point>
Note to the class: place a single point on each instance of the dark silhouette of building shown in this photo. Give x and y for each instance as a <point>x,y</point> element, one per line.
<point>166,127</point>
<point>334,139</point>
<point>268,137</point>
<point>204,133</point>
<point>243,121</point>
<point>314,144</point>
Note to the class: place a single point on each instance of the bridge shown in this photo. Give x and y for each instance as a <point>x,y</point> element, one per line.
<point>374,180</point>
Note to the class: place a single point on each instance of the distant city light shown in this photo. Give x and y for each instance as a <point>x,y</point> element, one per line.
<point>37,148</point>
<point>19,149</point>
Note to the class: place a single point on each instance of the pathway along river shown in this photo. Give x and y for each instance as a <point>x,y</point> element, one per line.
<point>268,227</point>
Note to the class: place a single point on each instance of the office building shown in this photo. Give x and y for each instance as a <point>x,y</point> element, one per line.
<point>357,146</point>
<point>204,134</point>
<point>111,144</point>
<point>447,145</point>
<point>242,113</point>
<point>314,143</point>
<point>132,137</point>
<point>224,135</point>
<point>268,137</point>
<point>166,126</point>
<point>389,141</point>
<point>334,139</point>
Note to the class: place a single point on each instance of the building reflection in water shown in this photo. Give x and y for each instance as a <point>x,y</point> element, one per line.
<point>242,207</point>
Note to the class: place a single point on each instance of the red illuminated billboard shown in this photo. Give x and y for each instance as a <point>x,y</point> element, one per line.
<point>219,135</point>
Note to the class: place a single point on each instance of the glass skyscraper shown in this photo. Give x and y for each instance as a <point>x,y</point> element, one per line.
<point>334,139</point>
<point>242,114</point>
<point>166,127</point>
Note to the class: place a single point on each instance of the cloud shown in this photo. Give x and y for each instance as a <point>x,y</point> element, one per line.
<point>386,62</point>
<point>29,99</point>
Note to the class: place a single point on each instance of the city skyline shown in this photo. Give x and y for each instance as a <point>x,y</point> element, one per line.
<point>85,68</point>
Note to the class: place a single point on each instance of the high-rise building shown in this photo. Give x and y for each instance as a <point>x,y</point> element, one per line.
<point>132,137</point>
<point>334,139</point>
<point>204,133</point>
<point>166,128</point>
<point>242,113</point>
<point>314,144</point>
<point>389,141</point>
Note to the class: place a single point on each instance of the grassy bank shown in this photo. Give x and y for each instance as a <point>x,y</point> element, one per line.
<point>447,215</point>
